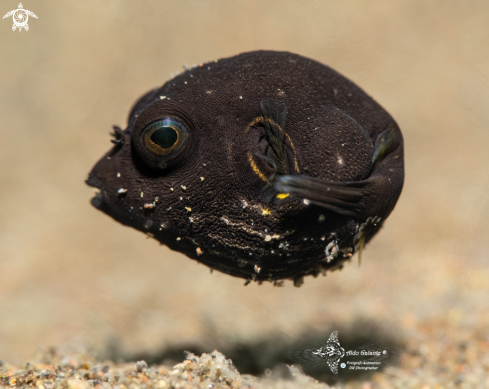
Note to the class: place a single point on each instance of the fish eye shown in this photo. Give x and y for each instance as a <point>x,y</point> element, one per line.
<point>161,141</point>
<point>164,136</point>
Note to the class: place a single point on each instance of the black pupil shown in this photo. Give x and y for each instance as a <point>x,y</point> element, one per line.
<point>164,137</point>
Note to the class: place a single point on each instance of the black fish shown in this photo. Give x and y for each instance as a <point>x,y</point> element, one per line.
<point>265,166</point>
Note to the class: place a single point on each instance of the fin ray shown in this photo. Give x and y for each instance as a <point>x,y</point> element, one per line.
<point>274,113</point>
<point>346,198</point>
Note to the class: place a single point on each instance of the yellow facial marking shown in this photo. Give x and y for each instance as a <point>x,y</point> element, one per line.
<point>255,168</point>
<point>282,196</point>
<point>255,121</point>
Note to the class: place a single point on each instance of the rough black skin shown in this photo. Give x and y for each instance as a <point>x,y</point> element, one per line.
<point>233,221</point>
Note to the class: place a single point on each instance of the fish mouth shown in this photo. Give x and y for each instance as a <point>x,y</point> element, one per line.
<point>98,200</point>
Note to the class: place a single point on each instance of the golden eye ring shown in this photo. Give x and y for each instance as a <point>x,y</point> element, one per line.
<point>163,137</point>
<point>161,141</point>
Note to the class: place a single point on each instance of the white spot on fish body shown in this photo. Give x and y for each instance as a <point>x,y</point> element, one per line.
<point>283,245</point>
<point>331,251</point>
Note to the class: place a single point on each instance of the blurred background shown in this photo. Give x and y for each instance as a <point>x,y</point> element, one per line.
<point>72,278</point>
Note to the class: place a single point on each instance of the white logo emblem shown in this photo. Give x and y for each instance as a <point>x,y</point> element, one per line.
<point>331,352</point>
<point>20,17</point>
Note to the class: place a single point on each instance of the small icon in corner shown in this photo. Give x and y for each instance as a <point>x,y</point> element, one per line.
<point>20,17</point>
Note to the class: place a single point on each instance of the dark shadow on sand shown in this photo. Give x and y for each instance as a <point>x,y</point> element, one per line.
<point>270,355</point>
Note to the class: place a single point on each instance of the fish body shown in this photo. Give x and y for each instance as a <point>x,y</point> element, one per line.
<point>266,166</point>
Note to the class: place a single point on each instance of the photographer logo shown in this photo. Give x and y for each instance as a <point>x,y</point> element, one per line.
<point>371,355</point>
<point>20,17</point>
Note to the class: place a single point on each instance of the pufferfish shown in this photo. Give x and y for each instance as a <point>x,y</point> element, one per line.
<point>265,166</point>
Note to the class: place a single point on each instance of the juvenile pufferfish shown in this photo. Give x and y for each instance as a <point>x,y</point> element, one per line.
<point>265,166</point>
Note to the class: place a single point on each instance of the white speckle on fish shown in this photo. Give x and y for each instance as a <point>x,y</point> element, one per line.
<point>331,251</point>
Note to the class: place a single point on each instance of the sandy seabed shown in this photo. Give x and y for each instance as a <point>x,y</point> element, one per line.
<point>458,366</point>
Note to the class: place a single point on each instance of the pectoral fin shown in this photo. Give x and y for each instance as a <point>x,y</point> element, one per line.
<point>345,198</point>
<point>274,113</point>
